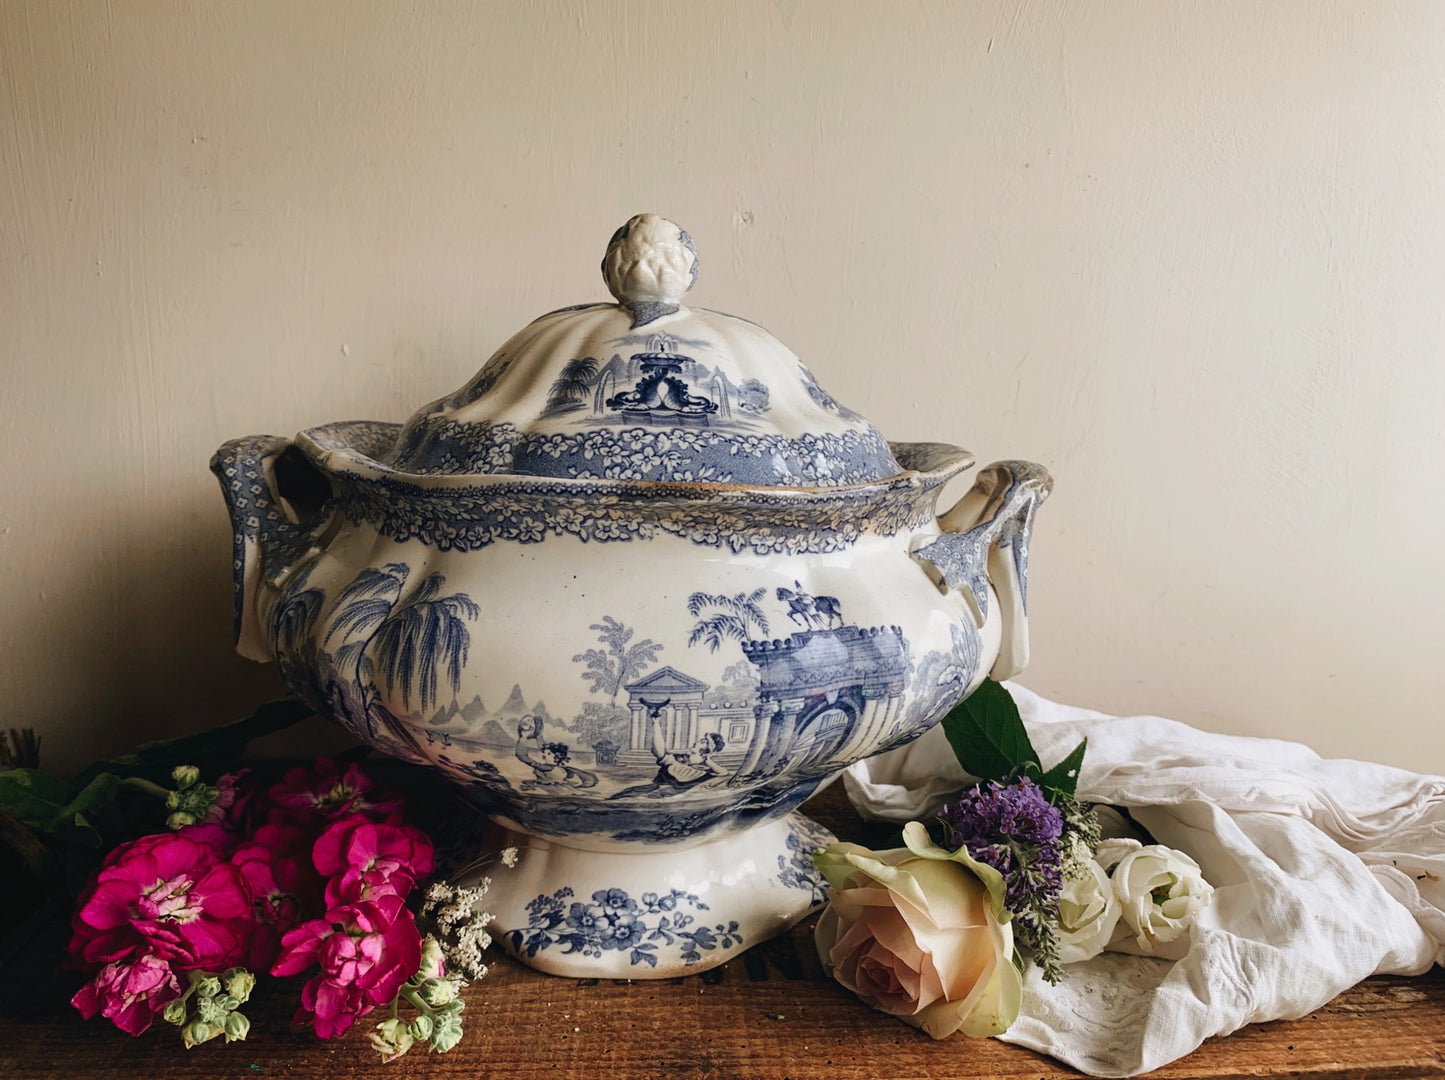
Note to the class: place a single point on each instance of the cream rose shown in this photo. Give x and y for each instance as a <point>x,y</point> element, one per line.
<point>1160,890</point>
<point>1088,913</point>
<point>922,934</point>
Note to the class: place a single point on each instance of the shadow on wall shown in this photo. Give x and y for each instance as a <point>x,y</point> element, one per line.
<point>140,635</point>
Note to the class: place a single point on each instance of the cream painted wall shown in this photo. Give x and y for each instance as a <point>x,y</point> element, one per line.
<point>1189,256</point>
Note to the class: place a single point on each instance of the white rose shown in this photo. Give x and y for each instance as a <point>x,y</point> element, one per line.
<point>1160,890</point>
<point>1088,913</point>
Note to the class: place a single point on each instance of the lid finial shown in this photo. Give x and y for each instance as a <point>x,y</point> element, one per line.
<point>650,264</point>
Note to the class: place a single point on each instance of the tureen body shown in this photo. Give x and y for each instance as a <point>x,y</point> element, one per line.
<point>638,589</point>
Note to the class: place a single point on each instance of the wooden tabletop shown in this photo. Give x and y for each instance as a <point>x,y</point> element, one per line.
<point>770,1014</point>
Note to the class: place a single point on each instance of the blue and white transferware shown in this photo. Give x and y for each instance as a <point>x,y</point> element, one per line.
<point>639,588</point>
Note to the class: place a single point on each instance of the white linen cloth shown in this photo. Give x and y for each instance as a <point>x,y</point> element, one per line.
<point>1325,872</point>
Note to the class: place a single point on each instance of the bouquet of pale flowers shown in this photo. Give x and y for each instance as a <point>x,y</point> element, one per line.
<point>1014,871</point>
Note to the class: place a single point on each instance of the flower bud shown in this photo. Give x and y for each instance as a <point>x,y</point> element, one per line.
<point>421,1027</point>
<point>237,1026</point>
<point>239,983</point>
<point>433,960</point>
<point>209,1011</point>
<point>391,1039</point>
<point>179,820</point>
<point>197,1032</point>
<point>227,1002</point>
<point>185,775</point>
<point>209,986</point>
<point>438,992</point>
<point>175,1012</point>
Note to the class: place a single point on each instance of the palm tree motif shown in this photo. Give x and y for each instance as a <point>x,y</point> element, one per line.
<point>733,617</point>
<point>293,636</point>
<point>608,670</point>
<point>415,638</point>
<point>572,384</point>
<point>425,630</point>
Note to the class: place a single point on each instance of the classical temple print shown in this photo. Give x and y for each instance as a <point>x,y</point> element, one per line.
<point>727,709</point>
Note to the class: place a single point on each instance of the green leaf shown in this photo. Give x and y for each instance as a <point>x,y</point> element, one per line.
<point>988,736</point>
<point>1063,778</point>
<point>33,797</point>
<point>218,746</point>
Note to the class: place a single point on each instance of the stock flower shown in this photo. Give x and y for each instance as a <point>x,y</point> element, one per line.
<point>1160,890</point>
<point>276,864</point>
<point>326,792</point>
<point>129,993</point>
<point>1088,913</point>
<point>921,934</point>
<point>169,896</point>
<point>235,800</point>
<point>365,950</point>
<point>364,859</point>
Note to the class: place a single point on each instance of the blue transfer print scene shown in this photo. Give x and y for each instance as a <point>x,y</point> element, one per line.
<point>771,692</point>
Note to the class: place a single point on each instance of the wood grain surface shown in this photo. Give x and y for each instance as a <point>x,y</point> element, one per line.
<point>770,1014</point>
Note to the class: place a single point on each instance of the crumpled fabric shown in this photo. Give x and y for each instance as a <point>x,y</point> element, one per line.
<point>1325,872</point>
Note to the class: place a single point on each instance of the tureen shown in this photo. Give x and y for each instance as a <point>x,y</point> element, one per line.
<point>639,588</point>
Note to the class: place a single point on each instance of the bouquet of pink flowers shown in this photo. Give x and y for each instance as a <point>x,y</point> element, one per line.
<point>311,874</point>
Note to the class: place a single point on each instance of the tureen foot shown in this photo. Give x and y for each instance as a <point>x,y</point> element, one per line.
<point>654,913</point>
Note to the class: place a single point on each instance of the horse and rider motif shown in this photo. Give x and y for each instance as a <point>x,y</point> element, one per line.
<point>811,612</point>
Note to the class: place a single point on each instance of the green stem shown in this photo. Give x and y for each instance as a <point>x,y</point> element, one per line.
<point>415,999</point>
<point>139,783</point>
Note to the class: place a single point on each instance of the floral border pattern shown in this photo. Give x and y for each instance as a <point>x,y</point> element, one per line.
<point>796,869</point>
<point>470,516</point>
<point>683,455</point>
<point>613,921</point>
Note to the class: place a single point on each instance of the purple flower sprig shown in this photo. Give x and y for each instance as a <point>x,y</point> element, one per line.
<point>1015,829</point>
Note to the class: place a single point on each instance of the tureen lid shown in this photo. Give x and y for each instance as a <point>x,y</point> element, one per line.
<point>645,389</point>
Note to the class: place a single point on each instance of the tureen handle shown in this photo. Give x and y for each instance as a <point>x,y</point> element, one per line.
<point>986,540</point>
<point>269,488</point>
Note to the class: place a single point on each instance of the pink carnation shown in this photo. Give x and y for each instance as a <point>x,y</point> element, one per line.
<point>130,994</point>
<point>325,792</point>
<point>366,951</point>
<point>364,859</point>
<point>166,895</point>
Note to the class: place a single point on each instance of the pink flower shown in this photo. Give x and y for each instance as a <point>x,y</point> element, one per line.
<point>365,860</point>
<point>366,950</point>
<point>130,994</point>
<point>166,895</point>
<point>920,933</point>
<point>325,792</point>
<point>235,800</point>
<point>276,865</point>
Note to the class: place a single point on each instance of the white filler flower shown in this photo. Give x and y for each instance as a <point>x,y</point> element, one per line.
<point>1160,890</point>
